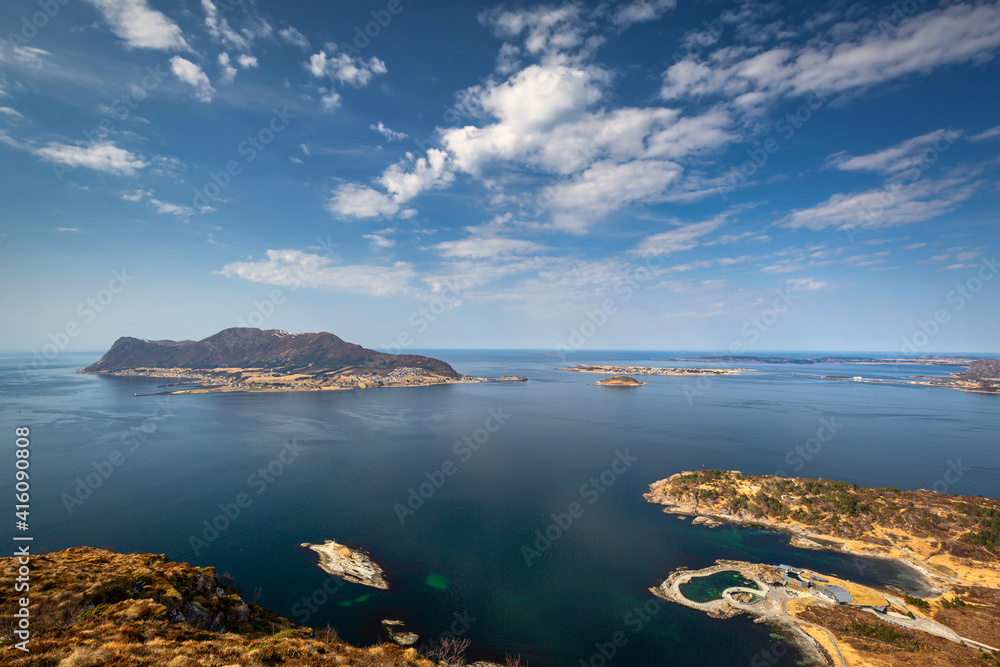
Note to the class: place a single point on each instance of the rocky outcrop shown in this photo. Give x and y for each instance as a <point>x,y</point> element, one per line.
<point>348,564</point>
<point>620,381</point>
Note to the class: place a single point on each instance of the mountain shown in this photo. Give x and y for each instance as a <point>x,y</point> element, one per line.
<point>259,348</point>
<point>982,369</point>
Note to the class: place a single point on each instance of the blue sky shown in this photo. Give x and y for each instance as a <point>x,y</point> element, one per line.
<point>633,174</point>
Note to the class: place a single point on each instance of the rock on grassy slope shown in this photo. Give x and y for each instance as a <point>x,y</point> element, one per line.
<point>94,607</point>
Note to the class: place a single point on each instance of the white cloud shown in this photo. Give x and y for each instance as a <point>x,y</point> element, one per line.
<point>68,229</point>
<point>639,11</point>
<point>481,247</point>
<point>953,34</point>
<point>247,62</point>
<point>682,238</point>
<point>228,74</point>
<point>894,204</point>
<point>179,210</point>
<point>344,68</point>
<point>402,181</point>
<point>219,29</point>
<point>555,34</point>
<point>991,133</point>
<point>7,111</point>
<point>294,37</point>
<point>390,135</point>
<point>607,186</point>
<point>899,158</point>
<point>193,75</point>
<point>379,241</point>
<point>141,26</point>
<point>360,201</point>
<point>305,149</point>
<point>330,102</point>
<point>294,268</point>
<point>809,284</point>
<point>136,195</point>
<point>104,156</point>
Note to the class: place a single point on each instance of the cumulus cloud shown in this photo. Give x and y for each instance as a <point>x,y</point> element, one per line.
<point>141,26</point>
<point>402,182</point>
<point>607,186</point>
<point>193,75</point>
<point>294,268</point>
<point>344,68</point>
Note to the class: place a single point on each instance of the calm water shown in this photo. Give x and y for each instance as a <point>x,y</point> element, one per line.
<point>460,562</point>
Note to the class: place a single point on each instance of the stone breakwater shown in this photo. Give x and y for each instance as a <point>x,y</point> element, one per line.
<point>348,564</point>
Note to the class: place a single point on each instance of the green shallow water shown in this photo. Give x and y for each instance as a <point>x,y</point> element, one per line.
<point>706,589</point>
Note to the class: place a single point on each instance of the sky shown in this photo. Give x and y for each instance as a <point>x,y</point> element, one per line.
<point>722,175</point>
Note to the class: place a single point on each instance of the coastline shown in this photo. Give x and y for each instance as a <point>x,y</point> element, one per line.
<point>217,381</point>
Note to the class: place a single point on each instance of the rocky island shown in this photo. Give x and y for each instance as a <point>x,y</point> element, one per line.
<point>952,541</point>
<point>619,381</point>
<point>348,564</point>
<point>248,359</point>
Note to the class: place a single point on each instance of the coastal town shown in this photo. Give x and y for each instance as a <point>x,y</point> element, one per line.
<point>216,380</point>
<point>653,370</point>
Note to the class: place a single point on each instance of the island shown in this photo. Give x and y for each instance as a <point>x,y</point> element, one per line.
<point>255,360</point>
<point>619,381</point>
<point>348,564</point>
<point>952,541</point>
<point>981,377</point>
<point>653,370</point>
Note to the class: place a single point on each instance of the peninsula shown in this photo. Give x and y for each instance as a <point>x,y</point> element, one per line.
<point>247,359</point>
<point>953,541</point>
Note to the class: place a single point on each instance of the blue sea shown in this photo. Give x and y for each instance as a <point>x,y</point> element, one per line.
<point>510,514</point>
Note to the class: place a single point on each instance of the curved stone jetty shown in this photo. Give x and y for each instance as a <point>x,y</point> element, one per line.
<point>348,564</point>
